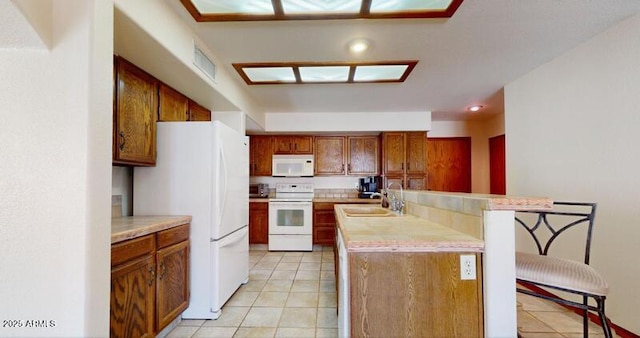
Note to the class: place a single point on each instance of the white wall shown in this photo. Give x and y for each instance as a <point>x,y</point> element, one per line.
<point>572,134</point>
<point>347,122</point>
<point>55,176</point>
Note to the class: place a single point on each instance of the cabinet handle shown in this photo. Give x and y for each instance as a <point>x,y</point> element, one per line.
<point>401,166</point>
<point>153,275</point>
<point>349,167</point>
<point>408,166</point>
<point>163,269</point>
<point>123,140</point>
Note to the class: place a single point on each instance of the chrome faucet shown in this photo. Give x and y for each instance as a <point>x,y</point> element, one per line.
<point>396,204</point>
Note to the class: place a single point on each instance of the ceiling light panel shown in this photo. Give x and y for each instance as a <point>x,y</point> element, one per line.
<point>321,6</point>
<point>259,10</point>
<point>324,74</point>
<point>379,73</point>
<point>385,6</point>
<point>234,6</point>
<point>270,74</point>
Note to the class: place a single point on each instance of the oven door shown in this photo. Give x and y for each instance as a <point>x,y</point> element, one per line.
<point>290,218</point>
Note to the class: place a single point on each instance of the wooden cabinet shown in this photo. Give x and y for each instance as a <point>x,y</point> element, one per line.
<point>132,304</point>
<point>261,150</point>
<point>404,159</point>
<point>198,112</point>
<point>350,155</point>
<point>149,286</point>
<point>172,294</point>
<point>363,155</point>
<point>173,106</point>
<point>449,164</point>
<point>258,223</point>
<point>427,285</point>
<point>324,224</point>
<point>330,155</point>
<point>297,144</point>
<point>135,115</point>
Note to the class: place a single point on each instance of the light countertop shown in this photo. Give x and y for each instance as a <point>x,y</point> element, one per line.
<point>124,228</point>
<point>401,233</point>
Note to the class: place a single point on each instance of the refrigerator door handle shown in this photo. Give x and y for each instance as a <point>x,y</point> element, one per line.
<point>222,181</point>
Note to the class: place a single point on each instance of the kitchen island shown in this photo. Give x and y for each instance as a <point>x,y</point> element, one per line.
<point>418,267</point>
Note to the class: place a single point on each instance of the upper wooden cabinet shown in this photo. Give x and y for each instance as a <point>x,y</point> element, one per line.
<point>260,152</point>
<point>293,144</point>
<point>173,105</point>
<point>198,112</point>
<point>362,155</point>
<point>350,155</point>
<point>330,155</point>
<point>404,159</point>
<point>135,115</point>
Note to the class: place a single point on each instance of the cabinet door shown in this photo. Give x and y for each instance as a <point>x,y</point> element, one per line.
<point>258,223</point>
<point>416,183</point>
<point>330,155</point>
<point>302,144</point>
<point>173,282</point>
<point>133,299</point>
<point>393,153</point>
<point>416,153</point>
<point>282,145</point>
<point>261,151</point>
<point>173,106</point>
<point>198,112</point>
<point>135,116</point>
<point>362,155</point>
<point>324,224</point>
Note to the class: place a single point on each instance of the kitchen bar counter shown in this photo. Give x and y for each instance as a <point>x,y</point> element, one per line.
<point>401,233</point>
<point>124,228</point>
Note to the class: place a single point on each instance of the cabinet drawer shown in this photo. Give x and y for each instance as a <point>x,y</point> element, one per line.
<point>173,235</point>
<point>138,247</point>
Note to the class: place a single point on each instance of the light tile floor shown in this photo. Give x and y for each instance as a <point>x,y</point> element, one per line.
<point>292,294</point>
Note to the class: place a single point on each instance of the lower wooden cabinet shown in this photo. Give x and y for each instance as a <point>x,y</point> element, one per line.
<point>324,224</point>
<point>401,294</point>
<point>173,283</point>
<point>133,298</point>
<point>149,282</point>
<point>258,223</point>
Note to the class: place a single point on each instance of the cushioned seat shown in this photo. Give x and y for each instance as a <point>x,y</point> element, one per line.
<point>563,273</point>
<point>559,274</point>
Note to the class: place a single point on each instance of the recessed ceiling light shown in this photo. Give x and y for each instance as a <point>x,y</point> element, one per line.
<point>358,46</point>
<point>475,108</point>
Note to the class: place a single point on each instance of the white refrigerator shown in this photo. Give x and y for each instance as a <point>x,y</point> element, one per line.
<point>202,170</point>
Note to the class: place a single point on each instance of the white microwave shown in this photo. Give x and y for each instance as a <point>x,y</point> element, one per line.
<point>292,166</point>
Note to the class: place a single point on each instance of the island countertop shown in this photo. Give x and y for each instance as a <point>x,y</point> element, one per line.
<point>124,228</point>
<point>401,233</point>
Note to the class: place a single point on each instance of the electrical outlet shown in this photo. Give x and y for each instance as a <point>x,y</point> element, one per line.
<point>467,267</point>
<point>357,185</point>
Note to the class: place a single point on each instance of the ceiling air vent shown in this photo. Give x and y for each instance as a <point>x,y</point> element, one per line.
<point>202,61</point>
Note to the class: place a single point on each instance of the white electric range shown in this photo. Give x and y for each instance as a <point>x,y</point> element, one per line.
<point>290,218</point>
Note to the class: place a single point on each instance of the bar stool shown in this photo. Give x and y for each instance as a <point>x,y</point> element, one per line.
<point>558,273</point>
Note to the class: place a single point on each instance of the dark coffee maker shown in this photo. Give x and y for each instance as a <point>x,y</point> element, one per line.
<point>369,185</point>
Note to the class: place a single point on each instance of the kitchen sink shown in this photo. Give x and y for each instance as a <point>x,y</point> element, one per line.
<point>367,212</point>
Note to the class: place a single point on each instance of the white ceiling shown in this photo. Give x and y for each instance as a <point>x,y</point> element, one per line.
<point>464,60</point>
